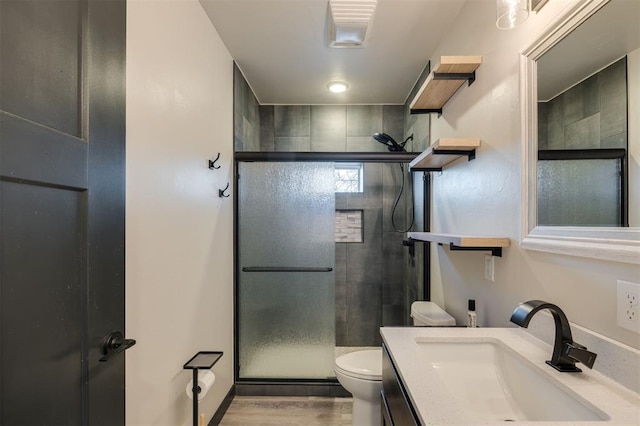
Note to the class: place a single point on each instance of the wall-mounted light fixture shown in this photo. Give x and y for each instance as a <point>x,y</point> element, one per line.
<point>511,13</point>
<point>337,86</point>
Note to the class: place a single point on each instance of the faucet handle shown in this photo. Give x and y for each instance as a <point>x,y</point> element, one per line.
<point>580,353</point>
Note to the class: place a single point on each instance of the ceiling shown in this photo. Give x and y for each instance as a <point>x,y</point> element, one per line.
<point>605,37</point>
<point>281,48</point>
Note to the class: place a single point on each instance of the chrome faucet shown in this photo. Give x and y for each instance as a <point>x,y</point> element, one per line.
<point>566,352</point>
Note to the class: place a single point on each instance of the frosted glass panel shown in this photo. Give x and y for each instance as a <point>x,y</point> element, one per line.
<point>579,192</point>
<point>286,226</point>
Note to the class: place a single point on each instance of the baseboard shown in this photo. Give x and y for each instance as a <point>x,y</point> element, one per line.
<point>222,409</point>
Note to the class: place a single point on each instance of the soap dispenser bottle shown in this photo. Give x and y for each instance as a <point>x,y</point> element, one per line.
<point>471,314</point>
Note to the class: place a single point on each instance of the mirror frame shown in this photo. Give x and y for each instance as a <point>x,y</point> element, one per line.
<point>613,244</point>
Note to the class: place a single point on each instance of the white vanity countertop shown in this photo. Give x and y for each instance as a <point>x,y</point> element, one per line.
<point>440,407</point>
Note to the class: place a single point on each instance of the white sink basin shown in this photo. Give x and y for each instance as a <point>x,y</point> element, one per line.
<point>497,384</point>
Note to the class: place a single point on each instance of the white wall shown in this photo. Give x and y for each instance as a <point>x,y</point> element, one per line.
<point>483,197</point>
<point>179,241</point>
<point>633,78</point>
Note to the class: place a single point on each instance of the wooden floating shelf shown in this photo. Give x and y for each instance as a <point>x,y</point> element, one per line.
<point>442,152</point>
<point>443,82</point>
<point>463,242</point>
<point>460,240</point>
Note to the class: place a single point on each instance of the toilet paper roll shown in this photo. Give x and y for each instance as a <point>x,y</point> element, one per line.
<point>205,381</point>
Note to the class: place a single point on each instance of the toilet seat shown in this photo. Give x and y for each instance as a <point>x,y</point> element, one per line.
<point>364,365</point>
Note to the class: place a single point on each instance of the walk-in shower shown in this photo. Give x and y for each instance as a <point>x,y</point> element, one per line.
<point>286,291</point>
<point>318,268</point>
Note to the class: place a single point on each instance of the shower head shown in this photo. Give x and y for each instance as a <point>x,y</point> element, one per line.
<point>387,140</point>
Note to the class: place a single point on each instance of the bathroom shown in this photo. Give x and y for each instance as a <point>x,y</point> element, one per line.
<point>180,234</point>
<point>483,196</point>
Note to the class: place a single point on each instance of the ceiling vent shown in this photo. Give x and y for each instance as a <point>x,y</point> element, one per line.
<point>349,22</point>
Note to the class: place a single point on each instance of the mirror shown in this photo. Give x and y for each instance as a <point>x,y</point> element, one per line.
<point>581,84</point>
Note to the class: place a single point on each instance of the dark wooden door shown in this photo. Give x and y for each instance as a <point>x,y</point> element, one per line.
<point>62,148</point>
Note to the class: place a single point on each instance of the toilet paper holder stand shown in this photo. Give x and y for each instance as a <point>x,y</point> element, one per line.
<point>203,360</point>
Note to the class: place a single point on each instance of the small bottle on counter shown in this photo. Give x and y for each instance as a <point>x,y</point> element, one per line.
<point>471,314</point>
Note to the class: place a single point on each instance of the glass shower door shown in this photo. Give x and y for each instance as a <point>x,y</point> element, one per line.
<point>581,192</point>
<point>285,293</point>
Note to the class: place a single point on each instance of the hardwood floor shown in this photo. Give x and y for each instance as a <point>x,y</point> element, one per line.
<point>283,411</point>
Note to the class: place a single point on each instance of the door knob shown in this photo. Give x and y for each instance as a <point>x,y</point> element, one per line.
<point>113,344</point>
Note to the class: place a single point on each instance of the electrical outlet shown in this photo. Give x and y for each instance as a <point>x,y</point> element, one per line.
<point>628,295</point>
<point>489,268</point>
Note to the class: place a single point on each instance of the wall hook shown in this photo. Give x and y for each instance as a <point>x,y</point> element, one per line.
<point>212,163</point>
<point>221,192</point>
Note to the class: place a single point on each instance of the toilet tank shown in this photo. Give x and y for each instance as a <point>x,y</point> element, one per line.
<point>428,313</point>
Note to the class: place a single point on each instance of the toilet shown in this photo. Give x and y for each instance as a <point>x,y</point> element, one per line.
<point>360,372</point>
<point>430,314</point>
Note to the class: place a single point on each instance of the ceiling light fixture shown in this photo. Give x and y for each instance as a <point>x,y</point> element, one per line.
<point>511,13</point>
<point>338,86</point>
<point>349,21</point>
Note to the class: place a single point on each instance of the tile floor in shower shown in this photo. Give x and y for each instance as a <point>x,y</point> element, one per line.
<point>291,410</point>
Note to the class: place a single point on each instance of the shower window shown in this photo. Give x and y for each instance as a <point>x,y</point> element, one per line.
<point>349,177</point>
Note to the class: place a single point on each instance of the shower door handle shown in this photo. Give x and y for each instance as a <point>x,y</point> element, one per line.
<point>285,269</point>
<point>113,344</point>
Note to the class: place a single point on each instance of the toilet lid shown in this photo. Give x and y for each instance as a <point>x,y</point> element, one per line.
<point>365,365</point>
<point>431,314</point>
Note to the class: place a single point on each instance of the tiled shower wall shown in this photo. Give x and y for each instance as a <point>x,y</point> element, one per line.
<point>371,277</point>
<point>329,128</point>
<point>246,115</point>
<point>590,115</point>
